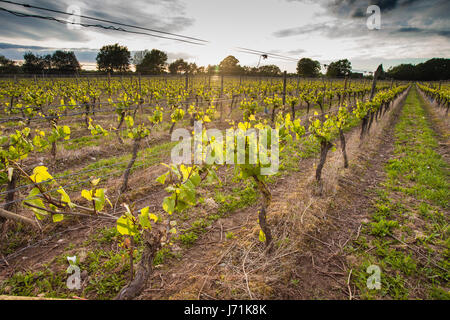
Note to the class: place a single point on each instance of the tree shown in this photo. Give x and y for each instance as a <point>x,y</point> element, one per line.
<point>178,66</point>
<point>270,70</point>
<point>113,58</point>
<point>154,62</point>
<point>139,56</point>
<point>229,65</point>
<point>307,67</point>
<point>431,70</point>
<point>403,72</point>
<point>33,63</point>
<point>65,62</point>
<point>201,69</point>
<point>193,68</point>
<point>339,69</point>
<point>8,66</point>
<point>212,69</point>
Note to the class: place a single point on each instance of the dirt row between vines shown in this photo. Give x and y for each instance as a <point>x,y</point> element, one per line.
<point>218,267</point>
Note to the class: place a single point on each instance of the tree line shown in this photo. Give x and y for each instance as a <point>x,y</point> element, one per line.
<point>431,70</point>
<point>116,58</point>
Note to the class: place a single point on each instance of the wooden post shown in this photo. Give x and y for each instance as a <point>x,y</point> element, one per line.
<point>187,81</point>
<point>284,86</point>
<point>221,86</point>
<point>13,216</point>
<point>374,82</point>
<point>139,79</point>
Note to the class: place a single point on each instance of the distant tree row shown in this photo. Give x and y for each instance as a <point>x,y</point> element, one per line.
<point>8,66</point>
<point>60,62</point>
<point>117,58</point>
<point>433,69</point>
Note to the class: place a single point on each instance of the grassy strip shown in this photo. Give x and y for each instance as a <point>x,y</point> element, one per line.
<point>148,157</point>
<point>407,236</point>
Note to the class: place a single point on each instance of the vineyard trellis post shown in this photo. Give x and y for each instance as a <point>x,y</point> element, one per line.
<point>365,120</point>
<point>284,87</point>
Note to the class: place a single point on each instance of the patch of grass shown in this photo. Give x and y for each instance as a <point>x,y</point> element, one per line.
<point>46,282</point>
<point>114,166</point>
<point>237,199</point>
<point>106,235</point>
<point>16,238</point>
<point>383,227</point>
<point>108,272</point>
<point>162,255</point>
<point>229,235</point>
<point>188,238</point>
<point>85,141</point>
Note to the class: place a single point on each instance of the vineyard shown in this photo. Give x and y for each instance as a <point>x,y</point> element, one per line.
<point>88,182</point>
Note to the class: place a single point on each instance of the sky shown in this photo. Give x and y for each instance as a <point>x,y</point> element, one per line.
<point>411,31</point>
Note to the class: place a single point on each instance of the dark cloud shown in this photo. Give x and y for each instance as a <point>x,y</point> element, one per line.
<point>17,46</point>
<point>16,52</point>
<point>169,17</point>
<point>398,18</point>
<point>332,29</point>
<point>430,32</point>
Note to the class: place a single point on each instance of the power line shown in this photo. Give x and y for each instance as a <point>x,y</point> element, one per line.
<point>26,15</point>
<point>103,20</point>
<point>273,55</point>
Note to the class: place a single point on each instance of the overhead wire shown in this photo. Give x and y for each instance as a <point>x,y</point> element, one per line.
<point>26,15</point>
<point>103,20</point>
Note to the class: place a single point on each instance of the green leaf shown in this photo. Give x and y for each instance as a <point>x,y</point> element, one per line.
<point>86,194</point>
<point>169,204</point>
<point>144,219</point>
<point>185,171</point>
<point>262,236</point>
<point>153,216</point>
<point>125,226</point>
<point>162,178</point>
<point>40,174</point>
<point>195,178</point>
<point>99,199</point>
<point>57,217</point>
<point>36,202</point>
<point>65,197</point>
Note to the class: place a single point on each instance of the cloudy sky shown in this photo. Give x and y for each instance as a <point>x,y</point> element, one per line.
<point>411,31</point>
